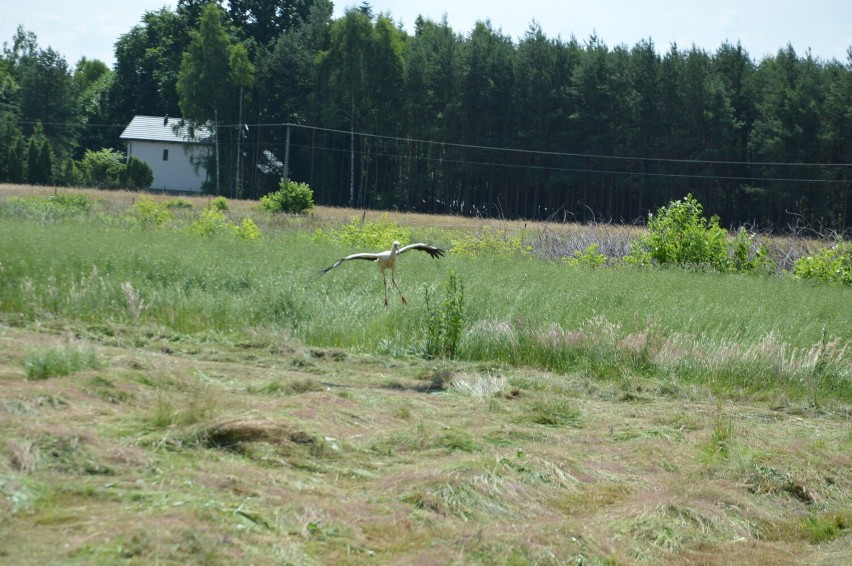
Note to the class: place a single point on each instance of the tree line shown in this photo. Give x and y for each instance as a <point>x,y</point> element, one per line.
<point>370,115</point>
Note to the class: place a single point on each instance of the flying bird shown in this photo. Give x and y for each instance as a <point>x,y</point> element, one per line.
<point>387,260</point>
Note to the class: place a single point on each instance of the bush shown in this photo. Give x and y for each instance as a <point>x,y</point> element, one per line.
<point>679,235</point>
<point>151,213</point>
<point>103,169</point>
<point>291,198</point>
<point>218,203</point>
<point>108,169</point>
<point>15,159</point>
<point>137,174</point>
<point>248,230</point>
<point>831,265</point>
<point>39,161</point>
<point>749,257</point>
<point>372,234</point>
<point>71,201</point>
<point>488,241</point>
<point>590,257</point>
<point>213,223</point>
<point>69,174</point>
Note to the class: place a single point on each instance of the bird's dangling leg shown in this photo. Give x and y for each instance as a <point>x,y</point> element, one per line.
<point>401,296</point>
<point>385,278</point>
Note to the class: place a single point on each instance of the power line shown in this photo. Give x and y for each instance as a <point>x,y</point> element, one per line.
<point>573,169</point>
<point>494,148</point>
<point>753,178</point>
<point>553,153</point>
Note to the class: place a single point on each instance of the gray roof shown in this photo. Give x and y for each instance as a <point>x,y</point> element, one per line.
<point>162,128</point>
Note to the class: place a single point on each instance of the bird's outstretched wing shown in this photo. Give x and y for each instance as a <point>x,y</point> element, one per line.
<point>431,250</point>
<point>369,257</point>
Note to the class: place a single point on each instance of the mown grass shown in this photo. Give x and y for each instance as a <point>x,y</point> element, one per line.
<point>200,463</point>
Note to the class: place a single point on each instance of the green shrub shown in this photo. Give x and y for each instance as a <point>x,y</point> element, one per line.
<point>69,174</point>
<point>590,257</point>
<point>71,201</point>
<point>108,169</point>
<point>151,213</point>
<point>213,223</point>
<point>832,264</point>
<point>748,257</point>
<point>102,169</point>
<point>136,175</point>
<point>372,234</point>
<point>218,203</point>
<point>488,241</point>
<point>15,160</point>
<point>291,198</point>
<point>248,230</point>
<point>39,160</point>
<point>679,235</point>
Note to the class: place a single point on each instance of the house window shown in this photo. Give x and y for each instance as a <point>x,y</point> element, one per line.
<point>165,155</point>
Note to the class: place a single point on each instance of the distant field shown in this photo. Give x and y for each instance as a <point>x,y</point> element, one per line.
<point>172,398</point>
<point>322,213</point>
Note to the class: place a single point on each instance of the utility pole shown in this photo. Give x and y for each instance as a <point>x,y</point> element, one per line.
<point>238,180</point>
<point>216,137</point>
<point>352,154</point>
<point>287,155</point>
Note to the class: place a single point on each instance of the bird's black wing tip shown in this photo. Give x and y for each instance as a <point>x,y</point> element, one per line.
<point>436,252</point>
<point>329,268</point>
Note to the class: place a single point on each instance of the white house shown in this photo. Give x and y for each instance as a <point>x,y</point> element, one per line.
<point>170,151</point>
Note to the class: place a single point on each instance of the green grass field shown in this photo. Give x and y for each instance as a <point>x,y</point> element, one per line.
<point>167,397</point>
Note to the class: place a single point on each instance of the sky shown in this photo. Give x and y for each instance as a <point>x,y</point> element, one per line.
<point>90,28</point>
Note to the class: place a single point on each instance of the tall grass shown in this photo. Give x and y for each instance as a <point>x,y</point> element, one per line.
<point>57,362</point>
<point>747,332</point>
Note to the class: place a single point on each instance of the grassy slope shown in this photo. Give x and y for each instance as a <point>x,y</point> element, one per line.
<point>227,428</point>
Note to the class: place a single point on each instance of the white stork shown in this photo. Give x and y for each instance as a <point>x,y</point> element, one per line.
<point>387,260</point>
